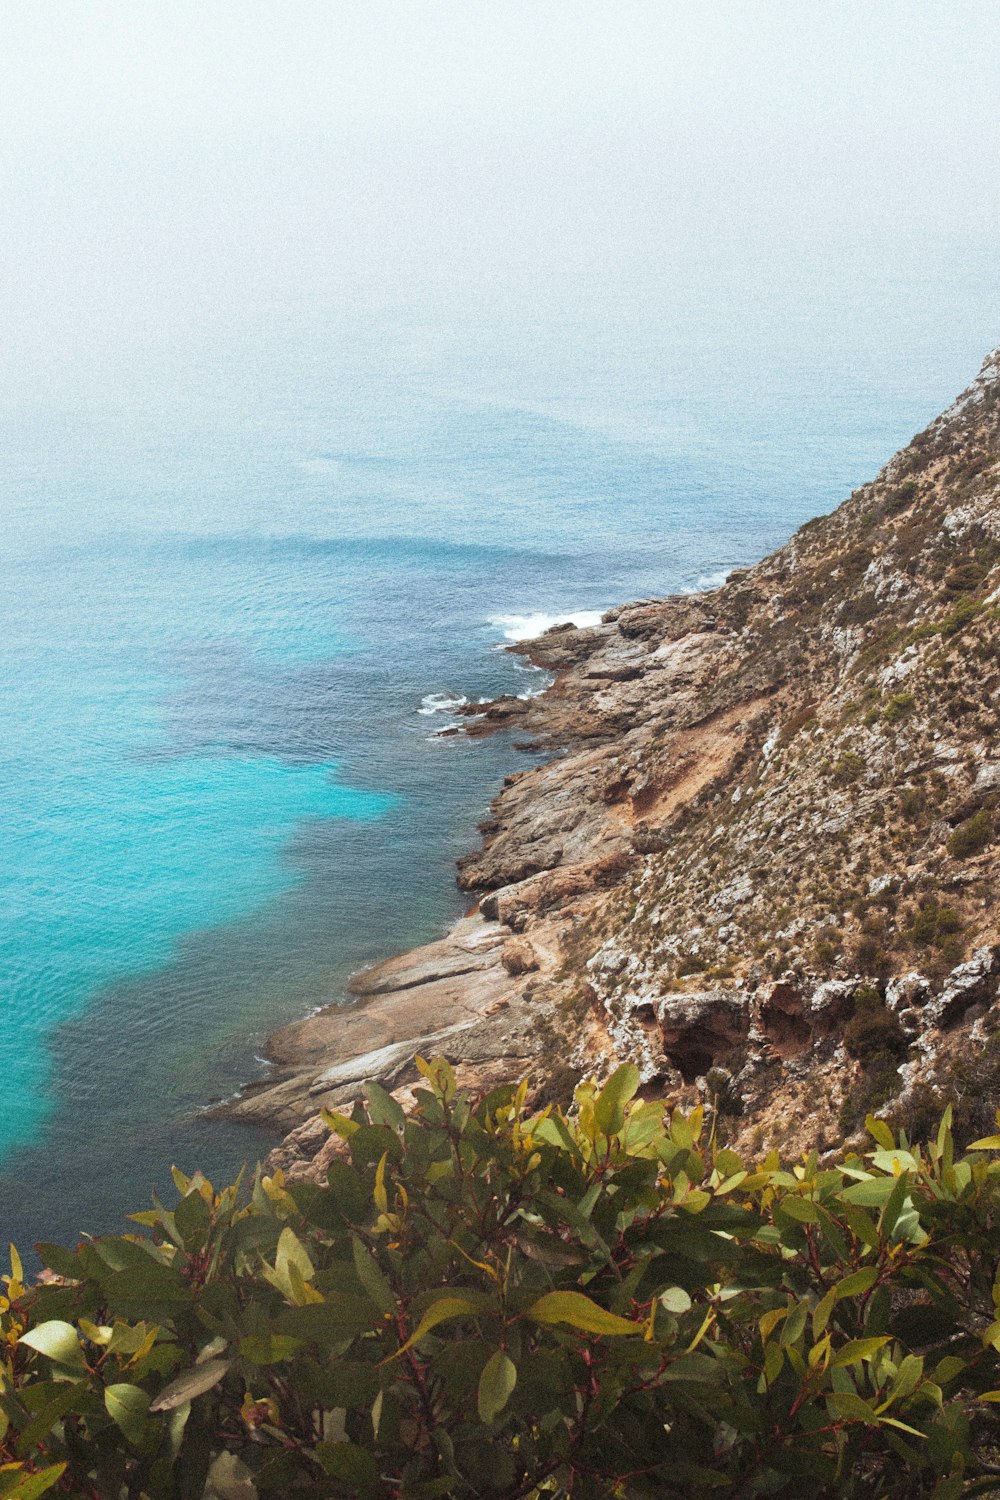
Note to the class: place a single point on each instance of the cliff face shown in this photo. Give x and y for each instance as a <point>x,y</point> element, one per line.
<point>761,862</point>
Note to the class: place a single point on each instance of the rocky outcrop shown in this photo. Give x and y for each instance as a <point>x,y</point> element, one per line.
<point>766,809</point>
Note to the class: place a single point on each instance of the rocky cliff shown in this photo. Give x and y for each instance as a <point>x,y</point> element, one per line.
<point>760,860</point>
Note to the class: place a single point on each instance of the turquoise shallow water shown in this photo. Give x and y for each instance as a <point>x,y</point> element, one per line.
<point>241,583</point>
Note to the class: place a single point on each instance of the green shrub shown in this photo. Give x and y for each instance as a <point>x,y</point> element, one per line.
<point>487,1303</point>
<point>903,496</point>
<point>964,577</point>
<point>897,708</point>
<point>969,1083</point>
<point>912,803</point>
<point>869,957</point>
<point>877,1083</point>
<point>848,768</point>
<point>965,611</point>
<point>726,1099</point>
<point>933,924</point>
<point>972,836</point>
<point>873,1031</point>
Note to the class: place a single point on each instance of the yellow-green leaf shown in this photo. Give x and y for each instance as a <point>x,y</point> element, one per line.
<point>609,1106</point>
<point>856,1350</point>
<point>439,1312</point>
<point>856,1283</point>
<point>579,1312</point>
<point>675,1299</point>
<point>846,1404</point>
<point>496,1385</point>
<point>127,1407</point>
<point>380,1195</point>
<point>57,1341</point>
<point>880,1132</point>
<point>341,1125</point>
<point>29,1486</point>
<point>801,1210</point>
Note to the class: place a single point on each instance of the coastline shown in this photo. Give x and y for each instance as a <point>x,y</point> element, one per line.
<point>482,994</point>
<point>758,860</point>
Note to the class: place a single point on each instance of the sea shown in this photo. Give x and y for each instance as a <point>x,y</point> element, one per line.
<point>248,571</point>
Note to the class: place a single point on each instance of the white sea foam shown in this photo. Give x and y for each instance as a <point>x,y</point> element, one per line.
<point>441,703</point>
<point>525,627</point>
<point>708,581</point>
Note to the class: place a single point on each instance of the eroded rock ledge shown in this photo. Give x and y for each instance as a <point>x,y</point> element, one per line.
<point>761,861</point>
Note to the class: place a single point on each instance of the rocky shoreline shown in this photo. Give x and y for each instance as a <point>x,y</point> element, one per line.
<point>468,994</point>
<point>760,857</point>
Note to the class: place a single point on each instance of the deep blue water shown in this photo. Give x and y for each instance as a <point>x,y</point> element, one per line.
<point>233,574</point>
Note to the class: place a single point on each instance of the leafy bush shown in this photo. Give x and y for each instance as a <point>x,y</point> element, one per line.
<point>487,1303</point>
<point>873,1029</point>
<point>972,836</point>
<point>897,708</point>
<point>933,925</point>
<point>848,768</point>
<point>965,611</point>
<point>904,495</point>
<point>869,957</point>
<point>912,803</point>
<point>964,577</point>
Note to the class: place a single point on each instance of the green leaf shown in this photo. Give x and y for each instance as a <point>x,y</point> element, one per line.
<point>137,1290</point>
<point>856,1350</point>
<point>58,1341</point>
<point>847,1404</point>
<point>675,1299</point>
<point>580,1312</point>
<point>856,1283</point>
<point>893,1160</point>
<point>189,1384</point>
<point>903,1426</point>
<point>269,1349</point>
<point>987,1143</point>
<point>64,1262</point>
<point>329,1322</point>
<point>880,1132</point>
<point>609,1106</point>
<point>800,1209</point>
<point>348,1463</point>
<point>372,1279</point>
<point>65,1399</point>
<point>348,1191</point>
<point>382,1107</point>
<point>192,1220</point>
<point>496,1385</point>
<point>862,1225</point>
<point>127,1406</point>
<point>947,1368</point>
<point>438,1312</point>
<point>29,1486</point>
<point>229,1479</point>
<point>872,1192</point>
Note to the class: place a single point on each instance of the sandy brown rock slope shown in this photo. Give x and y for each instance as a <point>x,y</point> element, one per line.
<point>761,861</point>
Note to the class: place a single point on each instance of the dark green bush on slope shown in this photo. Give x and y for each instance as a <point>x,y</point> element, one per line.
<point>490,1304</point>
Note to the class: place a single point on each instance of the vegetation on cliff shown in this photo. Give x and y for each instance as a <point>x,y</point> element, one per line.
<point>483,1302</point>
<point>762,864</point>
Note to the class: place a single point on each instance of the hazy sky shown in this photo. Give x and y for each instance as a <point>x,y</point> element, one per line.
<point>171,161</point>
